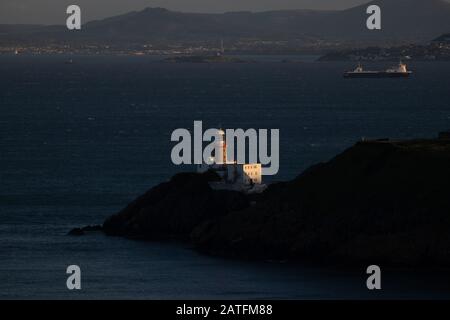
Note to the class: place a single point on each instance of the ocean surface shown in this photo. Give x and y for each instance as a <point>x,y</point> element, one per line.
<point>79,141</point>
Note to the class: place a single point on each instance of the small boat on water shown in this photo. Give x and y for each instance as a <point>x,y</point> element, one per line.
<point>400,71</point>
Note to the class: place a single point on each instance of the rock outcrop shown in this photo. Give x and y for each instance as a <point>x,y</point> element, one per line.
<point>84,230</point>
<point>173,209</point>
<point>381,201</point>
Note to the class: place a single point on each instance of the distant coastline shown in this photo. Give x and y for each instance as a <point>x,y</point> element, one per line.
<point>163,31</point>
<point>205,59</point>
<point>436,50</point>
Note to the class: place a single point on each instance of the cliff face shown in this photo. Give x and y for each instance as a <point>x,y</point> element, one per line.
<point>377,201</point>
<point>172,209</point>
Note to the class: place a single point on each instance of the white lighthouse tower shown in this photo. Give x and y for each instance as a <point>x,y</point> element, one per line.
<point>221,148</point>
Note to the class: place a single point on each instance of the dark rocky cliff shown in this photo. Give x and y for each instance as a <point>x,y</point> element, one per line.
<point>172,209</point>
<point>384,202</point>
<point>377,201</point>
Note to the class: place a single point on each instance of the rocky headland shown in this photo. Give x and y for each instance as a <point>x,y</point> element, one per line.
<point>173,209</point>
<point>378,201</point>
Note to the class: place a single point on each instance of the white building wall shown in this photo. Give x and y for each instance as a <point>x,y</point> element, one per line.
<point>252,173</point>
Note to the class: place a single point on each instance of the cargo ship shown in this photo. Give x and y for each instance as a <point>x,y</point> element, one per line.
<point>400,71</point>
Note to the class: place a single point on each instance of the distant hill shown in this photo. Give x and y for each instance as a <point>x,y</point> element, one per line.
<point>445,38</point>
<point>402,20</point>
<point>420,20</point>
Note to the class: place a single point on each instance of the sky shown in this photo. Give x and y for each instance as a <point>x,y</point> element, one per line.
<point>54,11</point>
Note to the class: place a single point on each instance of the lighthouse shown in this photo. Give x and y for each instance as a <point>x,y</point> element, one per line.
<point>221,148</point>
<point>234,176</point>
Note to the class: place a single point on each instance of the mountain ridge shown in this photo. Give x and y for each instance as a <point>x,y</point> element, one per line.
<point>412,21</point>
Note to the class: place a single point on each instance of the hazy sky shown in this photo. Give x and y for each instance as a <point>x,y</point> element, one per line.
<point>53,11</point>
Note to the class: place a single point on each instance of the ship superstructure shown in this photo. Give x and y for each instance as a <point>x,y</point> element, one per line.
<point>400,71</point>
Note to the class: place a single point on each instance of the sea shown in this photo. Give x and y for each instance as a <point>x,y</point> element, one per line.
<point>80,140</point>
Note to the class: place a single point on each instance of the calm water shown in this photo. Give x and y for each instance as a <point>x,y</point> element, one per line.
<point>79,141</point>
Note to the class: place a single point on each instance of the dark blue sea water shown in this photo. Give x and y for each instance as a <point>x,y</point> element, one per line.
<point>79,141</point>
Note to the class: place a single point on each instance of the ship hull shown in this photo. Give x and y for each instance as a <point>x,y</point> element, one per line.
<point>377,74</point>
